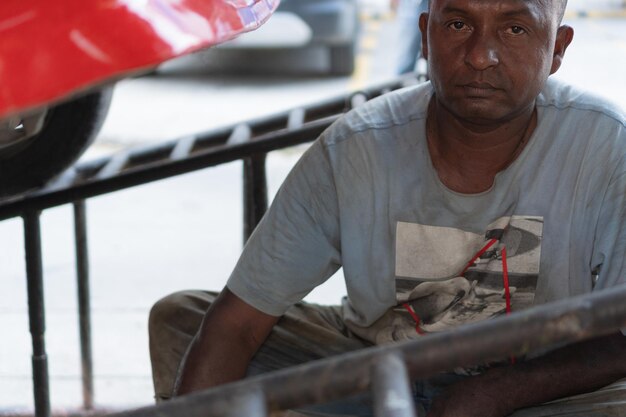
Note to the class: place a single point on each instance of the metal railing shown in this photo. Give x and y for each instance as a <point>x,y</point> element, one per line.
<point>249,141</point>
<point>386,371</point>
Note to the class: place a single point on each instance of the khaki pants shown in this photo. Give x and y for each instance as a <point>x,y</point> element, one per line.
<point>305,333</point>
<point>308,332</point>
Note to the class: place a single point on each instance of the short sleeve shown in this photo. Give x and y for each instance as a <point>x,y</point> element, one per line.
<point>609,255</point>
<point>295,246</point>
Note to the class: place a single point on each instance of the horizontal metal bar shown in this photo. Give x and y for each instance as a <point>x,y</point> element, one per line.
<point>139,166</point>
<point>47,198</point>
<point>566,321</point>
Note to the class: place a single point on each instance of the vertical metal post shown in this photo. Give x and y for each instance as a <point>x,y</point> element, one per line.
<point>248,404</point>
<point>391,388</point>
<point>84,308</point>
<point>36,312</point>
<point>254,193</point>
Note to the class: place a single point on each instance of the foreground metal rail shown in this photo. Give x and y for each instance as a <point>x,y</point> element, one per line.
<point>384,370</point>
<point>249,141</point>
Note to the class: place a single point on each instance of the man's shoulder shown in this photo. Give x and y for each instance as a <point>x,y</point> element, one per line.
<point>567,98</point>
<point>381,114</point>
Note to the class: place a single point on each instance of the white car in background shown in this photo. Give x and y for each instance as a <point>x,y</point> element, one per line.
<point>298,24</point>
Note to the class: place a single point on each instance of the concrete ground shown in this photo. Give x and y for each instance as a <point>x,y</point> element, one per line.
<point>185,232</point>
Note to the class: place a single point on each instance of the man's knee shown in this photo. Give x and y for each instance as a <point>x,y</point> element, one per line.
<point>172,324</point>
<point>165,309</point>
<point>182,310</point>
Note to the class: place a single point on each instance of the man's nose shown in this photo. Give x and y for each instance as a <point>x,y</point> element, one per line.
<point>482,52</point>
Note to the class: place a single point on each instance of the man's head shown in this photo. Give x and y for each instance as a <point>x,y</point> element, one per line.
<point>489,59</point>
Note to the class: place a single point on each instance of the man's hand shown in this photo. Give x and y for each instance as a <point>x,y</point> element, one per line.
<point>575,369</point>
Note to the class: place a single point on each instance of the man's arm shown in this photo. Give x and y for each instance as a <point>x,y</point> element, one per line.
<point>575,369</point>
<point>231,333</point>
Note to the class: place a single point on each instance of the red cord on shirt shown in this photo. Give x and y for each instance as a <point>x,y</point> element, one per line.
<point>505,278</point>
<point>417,319</point>
<point>478,255</point>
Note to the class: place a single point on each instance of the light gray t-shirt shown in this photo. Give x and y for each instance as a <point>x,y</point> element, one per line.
<point>365,196</point>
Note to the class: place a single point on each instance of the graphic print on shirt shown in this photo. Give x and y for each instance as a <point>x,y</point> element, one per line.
<point>446,276</point>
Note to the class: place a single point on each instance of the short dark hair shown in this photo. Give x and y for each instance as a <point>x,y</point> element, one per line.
<point>560,8</point>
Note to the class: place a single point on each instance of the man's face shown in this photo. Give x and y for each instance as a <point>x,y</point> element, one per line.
<point>489,59</point>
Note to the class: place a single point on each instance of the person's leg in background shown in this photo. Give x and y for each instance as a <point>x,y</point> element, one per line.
<point>409,37</point>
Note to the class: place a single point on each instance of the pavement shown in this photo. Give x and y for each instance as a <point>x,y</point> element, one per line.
<point>185,232</point>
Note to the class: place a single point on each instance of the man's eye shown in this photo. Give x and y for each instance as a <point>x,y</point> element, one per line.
<point>458,25</point>
<point>516,30</point>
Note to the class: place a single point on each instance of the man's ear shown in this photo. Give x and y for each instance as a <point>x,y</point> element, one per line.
<point>564,36</point>
<point>423,23</point>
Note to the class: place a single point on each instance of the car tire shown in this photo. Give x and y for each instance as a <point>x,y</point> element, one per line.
<point>69,128</point>
<point>342,59</point>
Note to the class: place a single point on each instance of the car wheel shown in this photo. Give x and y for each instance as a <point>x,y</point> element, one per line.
<point>342,59</point>
<point>37,147</point>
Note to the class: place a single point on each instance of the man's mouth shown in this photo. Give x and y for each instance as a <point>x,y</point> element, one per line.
<point>479,89</point>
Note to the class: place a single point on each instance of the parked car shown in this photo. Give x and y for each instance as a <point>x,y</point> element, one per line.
<point>297,24</point>
<point>58,59</point>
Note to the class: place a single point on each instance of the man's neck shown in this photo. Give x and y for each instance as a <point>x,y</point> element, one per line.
<point>467,156</point>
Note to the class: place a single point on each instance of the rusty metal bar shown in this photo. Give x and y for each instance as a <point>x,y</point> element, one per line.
<point>566,321</point>
<point>87,185</point>
<point>391,388</point>
<point>140,166</point>
<point>36,312</point>
<point>254,193</point>
<point>84,308</point>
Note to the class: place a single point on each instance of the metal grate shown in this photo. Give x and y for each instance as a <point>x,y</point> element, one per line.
<point>142,165</point>
<point>386,371</point>
<point>249,141</point>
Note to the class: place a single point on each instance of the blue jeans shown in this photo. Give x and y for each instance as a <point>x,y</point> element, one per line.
<point>424,391</point>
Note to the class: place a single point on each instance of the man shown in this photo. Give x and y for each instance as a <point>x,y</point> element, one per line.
<point>409,34</point>
<point>487,190</point>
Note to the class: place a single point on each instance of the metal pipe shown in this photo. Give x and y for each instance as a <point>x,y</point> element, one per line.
<point>566,321</point>
<point>208,149</point>
<point>89,186</point>
<point>391,388</point>
<point>254,193</point>
<point>36,312</point>
<point>248,404</point>
<point>84,308</point>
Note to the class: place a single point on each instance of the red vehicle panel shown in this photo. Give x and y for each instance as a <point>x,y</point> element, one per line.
<point>50,49</point>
